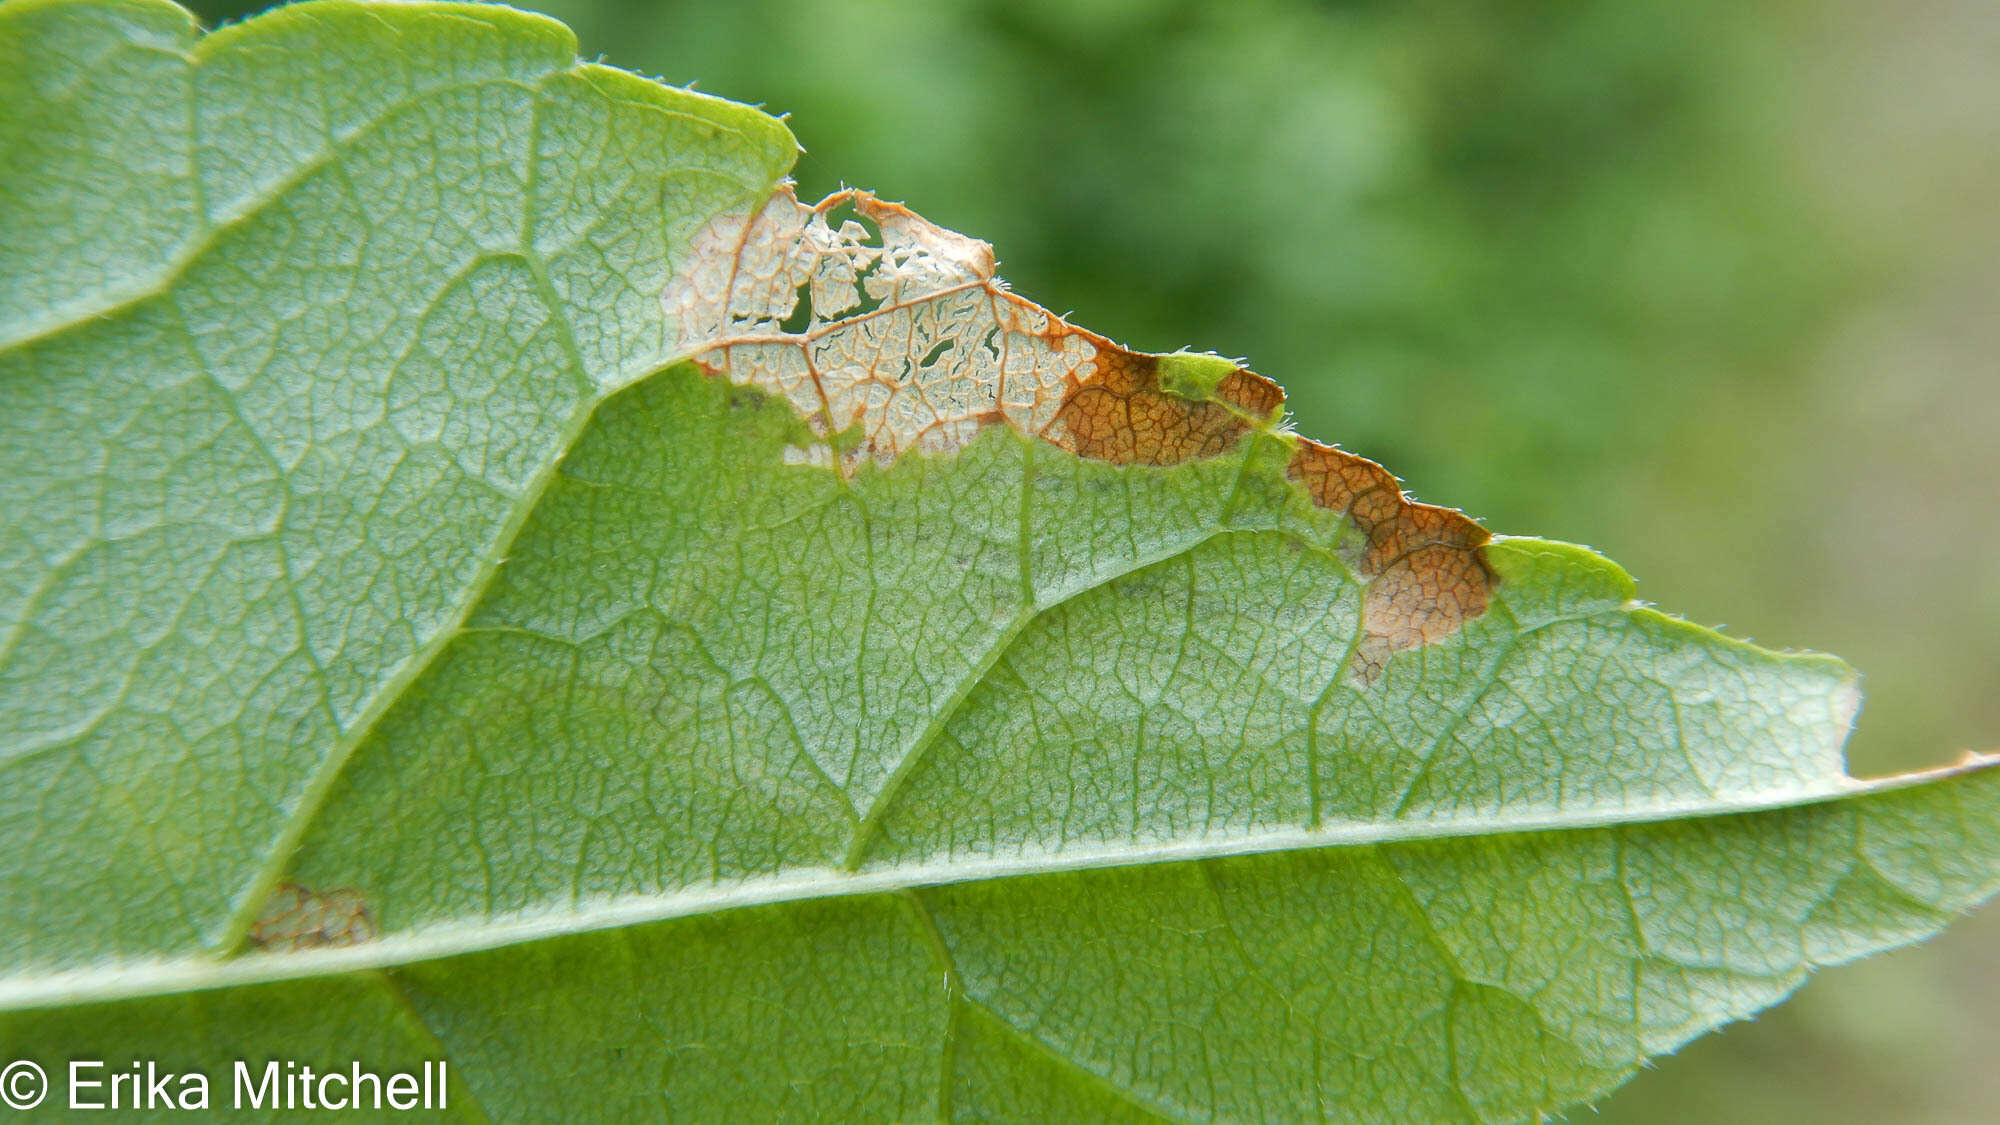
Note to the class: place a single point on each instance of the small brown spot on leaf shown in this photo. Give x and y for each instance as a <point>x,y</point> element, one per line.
<point>297,917</point>
<point>1426,575</point>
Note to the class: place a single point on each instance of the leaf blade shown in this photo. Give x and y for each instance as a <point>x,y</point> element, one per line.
<point>830,761</point>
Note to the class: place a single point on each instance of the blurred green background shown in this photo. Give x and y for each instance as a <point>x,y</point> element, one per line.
<point>1713,287</point>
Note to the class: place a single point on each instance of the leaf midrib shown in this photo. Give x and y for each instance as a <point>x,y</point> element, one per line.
<point>197,973</point>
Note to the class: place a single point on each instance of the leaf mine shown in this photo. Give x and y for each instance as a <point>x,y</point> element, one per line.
<point>297,917</point>
<point>1423,564</point>
<point>903,339</point>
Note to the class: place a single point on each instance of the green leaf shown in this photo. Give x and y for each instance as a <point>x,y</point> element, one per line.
<point>488,576</point>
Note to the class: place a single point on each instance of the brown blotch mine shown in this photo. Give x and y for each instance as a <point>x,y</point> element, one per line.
<point>872,354</point>
<point>1425,573</point>
<point>1425,570</point>
<point>1122,414</point>
<point>297,917</point>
